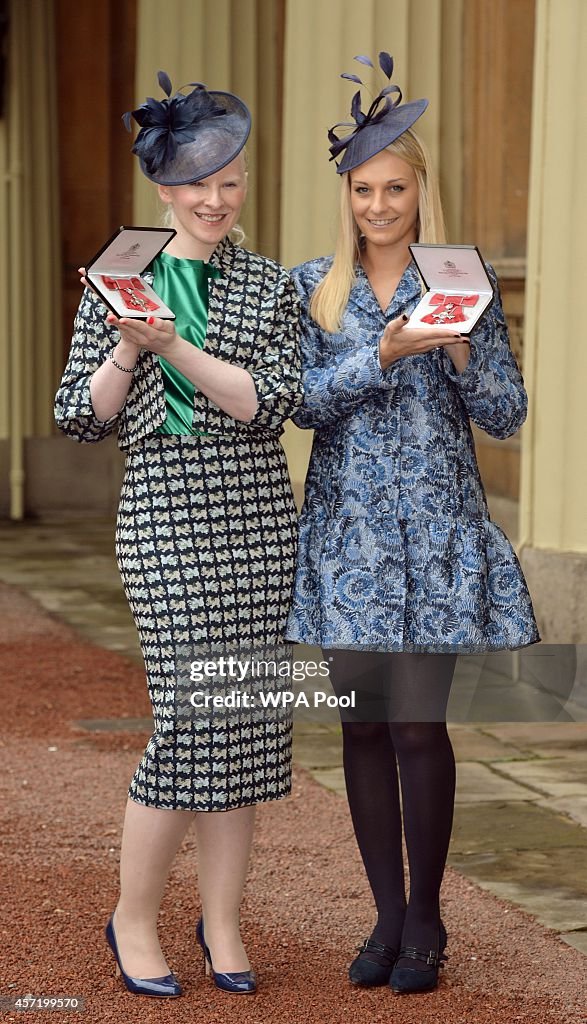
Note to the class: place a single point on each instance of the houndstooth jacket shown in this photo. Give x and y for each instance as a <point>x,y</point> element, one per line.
<point>252,322</point>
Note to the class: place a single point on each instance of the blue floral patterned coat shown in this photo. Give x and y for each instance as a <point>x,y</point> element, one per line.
<point>396,549</point>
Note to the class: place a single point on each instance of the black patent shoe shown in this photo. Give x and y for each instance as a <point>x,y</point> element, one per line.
<point>420,979</point>
<point>368,972</point>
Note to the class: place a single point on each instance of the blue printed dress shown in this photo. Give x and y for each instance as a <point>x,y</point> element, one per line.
<point>397,551</point>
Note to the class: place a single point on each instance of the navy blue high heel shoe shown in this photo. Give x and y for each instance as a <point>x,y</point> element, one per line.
<point>423,979</point>
<point>239,982</point>
<point>163,988</point>
<point>367,972</point>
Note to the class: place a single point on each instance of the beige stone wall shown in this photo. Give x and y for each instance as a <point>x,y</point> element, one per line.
<point>233,45</point>
<point>258,48</point>
<point>63,476</point>
<point>29,237</point>
<point>321,39</point>
<point>553,520</point>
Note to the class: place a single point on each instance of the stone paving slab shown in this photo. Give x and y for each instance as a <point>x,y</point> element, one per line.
<point>79,608</point>
<point>311,727</point>
<point>576,939</point>
<point>318,750</point>
<point>477,783</point>
<point>472,744</point>
<point>115,724</point>
<point>548,883</point>
<point>546,739</point>
<point>573,806</point>
<point>115,638</point>
<point>560,777</point>
<point>67,598</point>
<point>331,778</point>
<point>516,827</point>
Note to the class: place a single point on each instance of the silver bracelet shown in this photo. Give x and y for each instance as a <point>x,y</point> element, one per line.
<point>118,366</point>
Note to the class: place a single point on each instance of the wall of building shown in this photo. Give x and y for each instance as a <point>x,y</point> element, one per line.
<point>504,81</point>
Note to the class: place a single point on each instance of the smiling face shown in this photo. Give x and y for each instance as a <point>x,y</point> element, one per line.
<point>205,211</point>
<point>384,200</point>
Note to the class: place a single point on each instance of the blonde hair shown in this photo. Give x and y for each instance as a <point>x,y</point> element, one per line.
<point>330,298</point>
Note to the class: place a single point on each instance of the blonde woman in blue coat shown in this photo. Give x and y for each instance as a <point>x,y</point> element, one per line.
<point>400,567</point>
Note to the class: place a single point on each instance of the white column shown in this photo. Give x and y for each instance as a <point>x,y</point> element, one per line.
<point>30,304</point>
<point>321,39</point>
<point>227,45</point>
<point>554,467</point>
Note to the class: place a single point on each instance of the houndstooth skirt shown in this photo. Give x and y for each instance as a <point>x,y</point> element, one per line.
<point>205,543</point>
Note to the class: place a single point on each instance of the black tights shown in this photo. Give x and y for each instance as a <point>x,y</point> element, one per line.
<point>400,721</point>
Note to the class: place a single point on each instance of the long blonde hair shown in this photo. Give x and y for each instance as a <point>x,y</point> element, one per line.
<point>330,298</point>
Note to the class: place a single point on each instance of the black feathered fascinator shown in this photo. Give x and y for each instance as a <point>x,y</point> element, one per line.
<point>385,120</point>
<point>185,138</point>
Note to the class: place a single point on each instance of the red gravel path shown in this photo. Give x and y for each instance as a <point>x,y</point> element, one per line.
<point>306,903</point>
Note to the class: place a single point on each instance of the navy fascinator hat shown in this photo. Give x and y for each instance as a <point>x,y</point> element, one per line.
<point>384,122</point>
<point>186,138</point>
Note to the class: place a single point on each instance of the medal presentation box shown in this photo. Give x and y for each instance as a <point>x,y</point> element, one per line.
<point>114,272</point>
<point>459,289</point>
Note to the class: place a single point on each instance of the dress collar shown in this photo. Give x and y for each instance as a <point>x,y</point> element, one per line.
<point>407,290</point>
<point>222,257</point>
